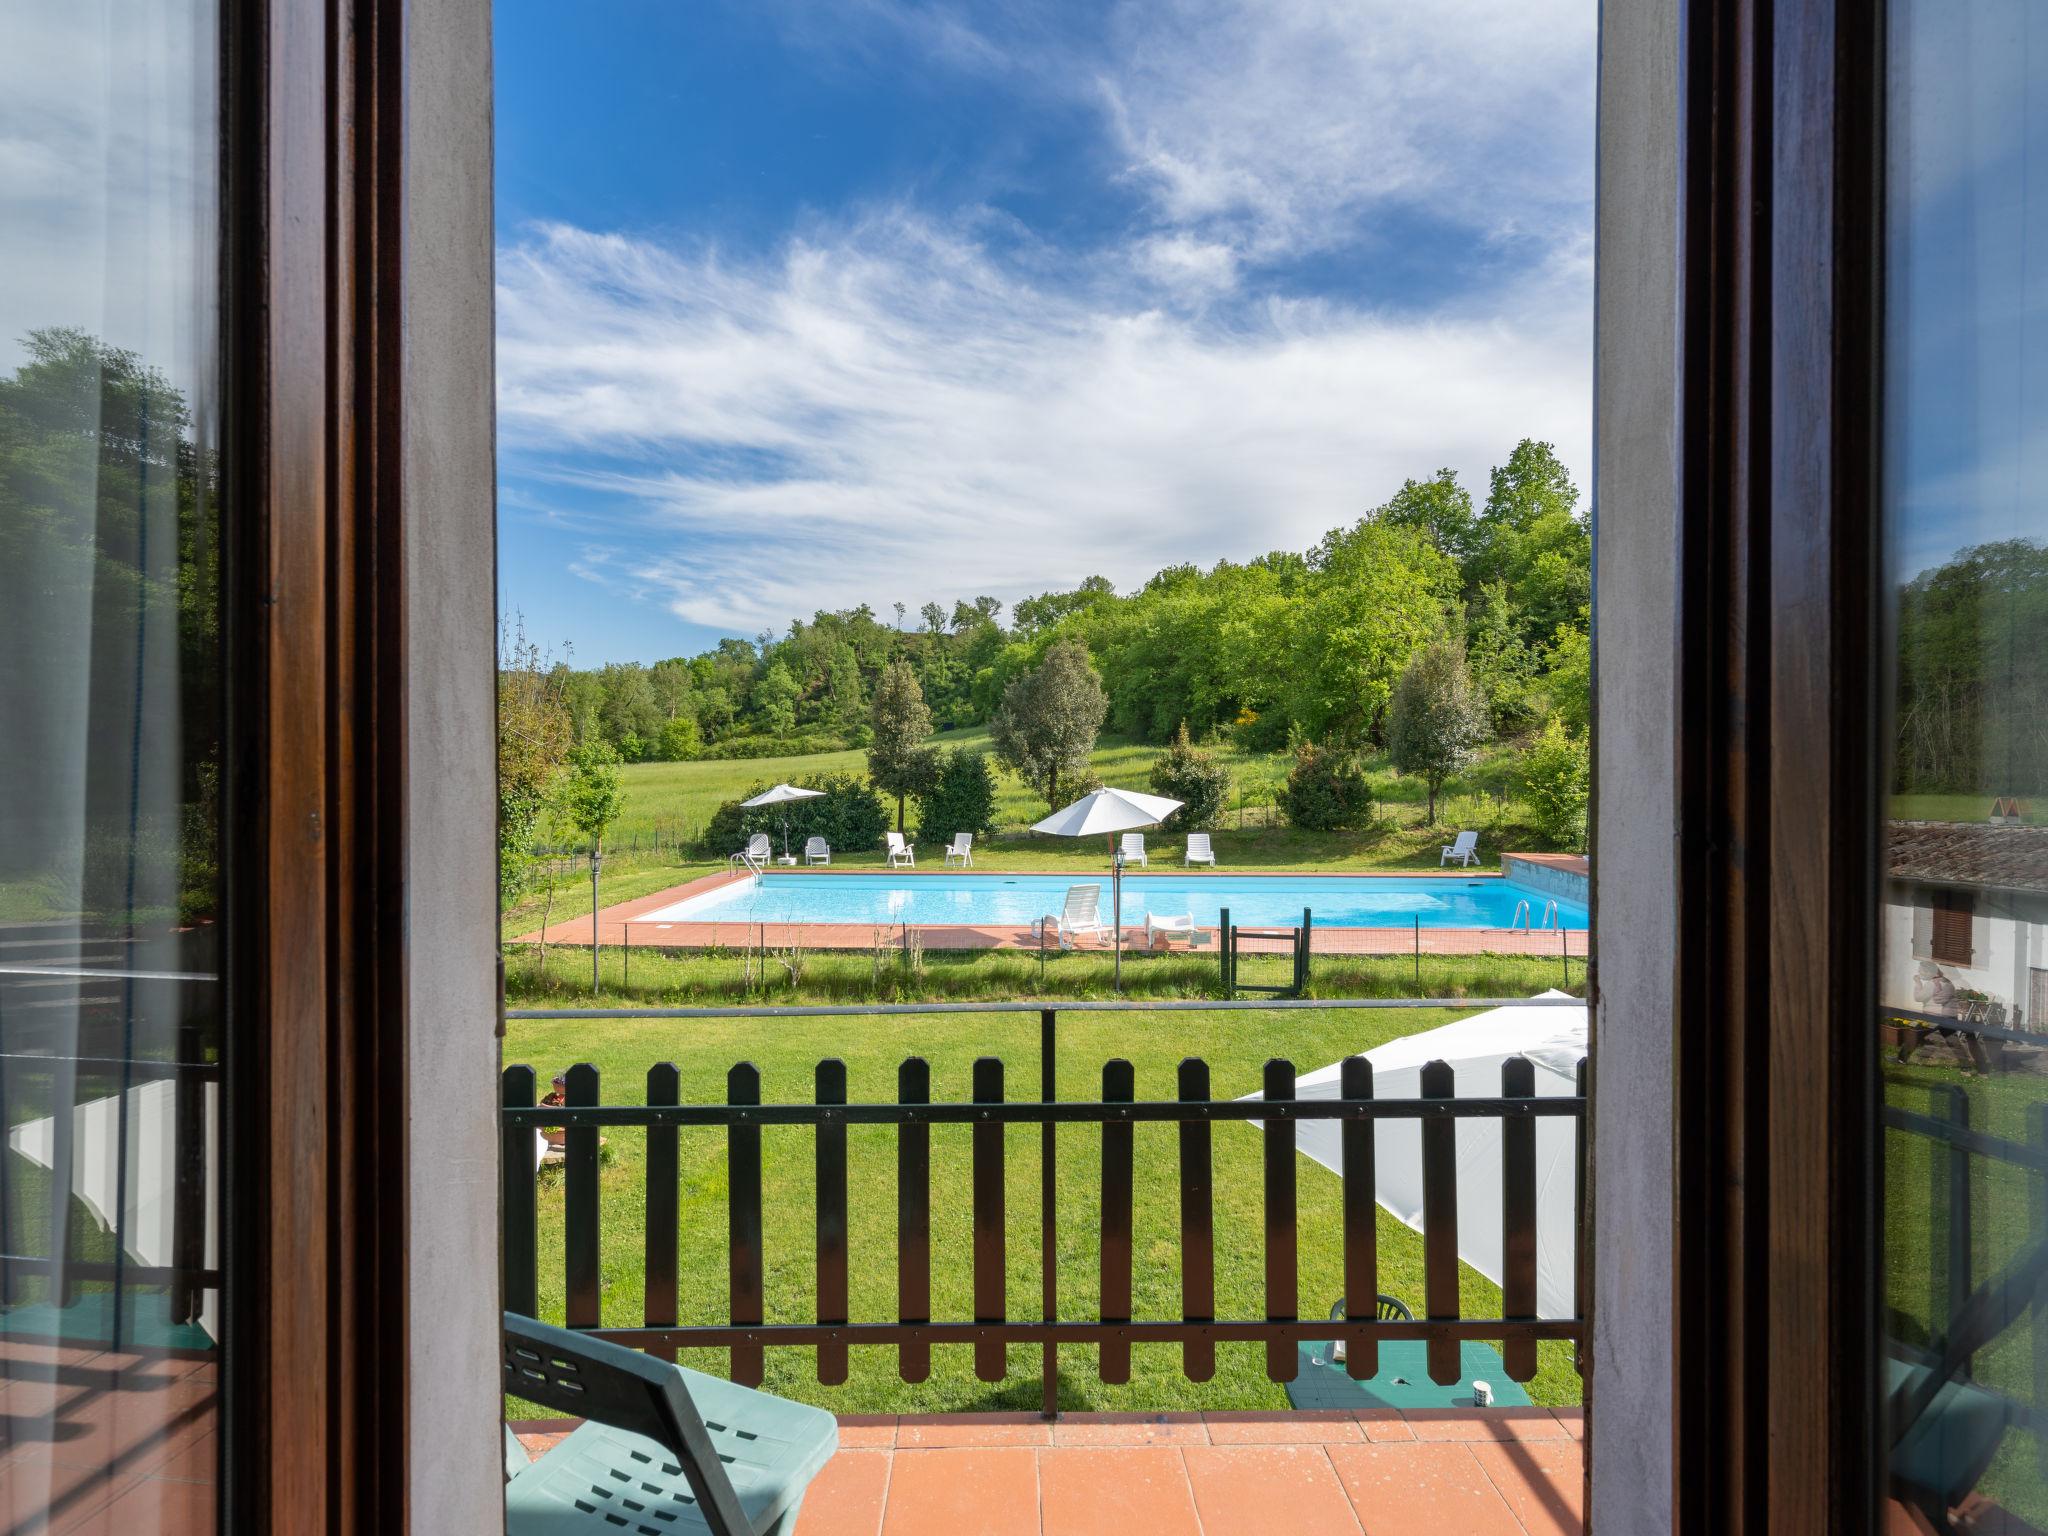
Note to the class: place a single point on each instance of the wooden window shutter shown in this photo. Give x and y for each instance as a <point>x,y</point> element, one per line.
<point>1953,912</point>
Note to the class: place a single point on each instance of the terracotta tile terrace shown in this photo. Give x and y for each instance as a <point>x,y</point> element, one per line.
<point>1469,1472</point>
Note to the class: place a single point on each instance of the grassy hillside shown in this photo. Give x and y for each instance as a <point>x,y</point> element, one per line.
<point>682,796</point>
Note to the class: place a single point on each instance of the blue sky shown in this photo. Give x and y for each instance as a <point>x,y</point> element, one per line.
<point>804,303</point>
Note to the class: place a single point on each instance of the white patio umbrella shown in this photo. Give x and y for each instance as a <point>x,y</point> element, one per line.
<point>1107,812</point>
<point>1550,1030</point>
<point>782,794</point>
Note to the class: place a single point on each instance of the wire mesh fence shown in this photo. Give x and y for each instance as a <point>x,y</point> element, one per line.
<point>910,962</point>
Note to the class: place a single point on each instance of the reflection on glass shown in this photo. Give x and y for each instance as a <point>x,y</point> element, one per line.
<point>110,761</point>
<point>1964,919</point>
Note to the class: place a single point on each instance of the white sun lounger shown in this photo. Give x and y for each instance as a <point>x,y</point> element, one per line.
<point>962,848</point>
<point>1163,929</point>
<point>901,852</point>
<point>759,849</point>
<point>817,851</point>
<point>1134,848</point>
<point>1081,914</point>
<point>1464,848</point>
<point>1199,851</point>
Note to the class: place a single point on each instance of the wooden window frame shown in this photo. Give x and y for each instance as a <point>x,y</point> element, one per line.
<point>315,1183</point>
<point>1774,1303</point>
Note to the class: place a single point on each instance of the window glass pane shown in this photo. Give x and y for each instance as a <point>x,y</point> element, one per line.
<point>1964,920</point>
<point>110,761</point>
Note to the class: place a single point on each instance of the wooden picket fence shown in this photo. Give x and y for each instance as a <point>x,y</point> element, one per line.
<point>994,1328</point>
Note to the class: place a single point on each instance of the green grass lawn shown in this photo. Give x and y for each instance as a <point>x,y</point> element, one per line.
<point>1942,807</point>
<point>889,974</point>
<point>1916,1230</point>
<point>786,1051</point>
<point>684,795</point>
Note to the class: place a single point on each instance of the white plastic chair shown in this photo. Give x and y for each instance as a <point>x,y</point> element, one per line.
<point>1134,849</point>
<point>1199,851</point>
<point>1159,928</point>
<point>1081,914</point>
<point>901,852</point>
<point>962,848</point>
<point>1464,848</point>
<point>817,851</point>
<point>759,849</point>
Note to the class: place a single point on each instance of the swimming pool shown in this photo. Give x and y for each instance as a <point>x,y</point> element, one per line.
<point>1357,901</point>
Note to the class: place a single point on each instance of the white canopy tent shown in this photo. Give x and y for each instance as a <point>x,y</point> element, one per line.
<point>1553,1036</point>
<point>782,794</point>
<point>1104,813</point>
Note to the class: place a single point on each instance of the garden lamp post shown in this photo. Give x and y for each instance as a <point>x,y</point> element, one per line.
<point>596,864</point>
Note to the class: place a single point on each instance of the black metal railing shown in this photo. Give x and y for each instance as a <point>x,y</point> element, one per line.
<point>993,1330</point>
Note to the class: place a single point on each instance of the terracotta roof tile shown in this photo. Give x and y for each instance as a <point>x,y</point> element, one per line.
<point>1969,853</point>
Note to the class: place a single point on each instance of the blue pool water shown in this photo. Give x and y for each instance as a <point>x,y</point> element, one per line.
<point>1438,901</point>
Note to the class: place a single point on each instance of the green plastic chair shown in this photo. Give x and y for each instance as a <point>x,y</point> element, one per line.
<point>661,1449</point>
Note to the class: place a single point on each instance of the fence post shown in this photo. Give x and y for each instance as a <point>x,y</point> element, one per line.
<point>991,1356</point>
<point>658,1307</point>
<point>1283,1297</point>
<point>2037,1134</point>
<point>1119,1086</point>
<point>1048,1202</point>
<point>1197,1225</point>
<point>830,1161</point>
<point>1418,955</point>
<point>516,1169</point>
<point>1223,950</point>
<point>1518,1217</point>
<point>1301,952</point>
<point>743,1218</point>
<point>580,1242</point>
<point>1440,1221</point>
<point>914,1217</point>
<point>1361,1223</point>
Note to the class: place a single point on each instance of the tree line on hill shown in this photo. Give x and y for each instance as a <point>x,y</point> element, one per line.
<point>1291,644</point>
<point>1432,625</point>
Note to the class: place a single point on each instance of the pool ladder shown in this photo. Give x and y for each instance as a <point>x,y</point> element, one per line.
<point>1522,916</point>
<point>744,859</point>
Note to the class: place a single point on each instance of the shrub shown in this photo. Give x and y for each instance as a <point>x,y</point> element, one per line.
<point>962,796</point>
<point>740,747</point>
<point>1556,775</point>
<point>848,815</point>
<point>1196,779</point>
<point>679,741</point>
<point>1326,790</point>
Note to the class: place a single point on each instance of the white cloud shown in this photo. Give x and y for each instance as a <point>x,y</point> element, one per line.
<point>107,127</point>
<point>1287,124</point>
<point>1278,127</point>
<point>887,412</point>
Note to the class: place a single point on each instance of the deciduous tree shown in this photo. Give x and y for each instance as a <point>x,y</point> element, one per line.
<point>1048,720</point>
<point>1435,719</point>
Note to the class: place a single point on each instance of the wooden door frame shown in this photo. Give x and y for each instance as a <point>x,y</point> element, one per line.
<point>1774,1305</point>
<point>315,1167</point>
